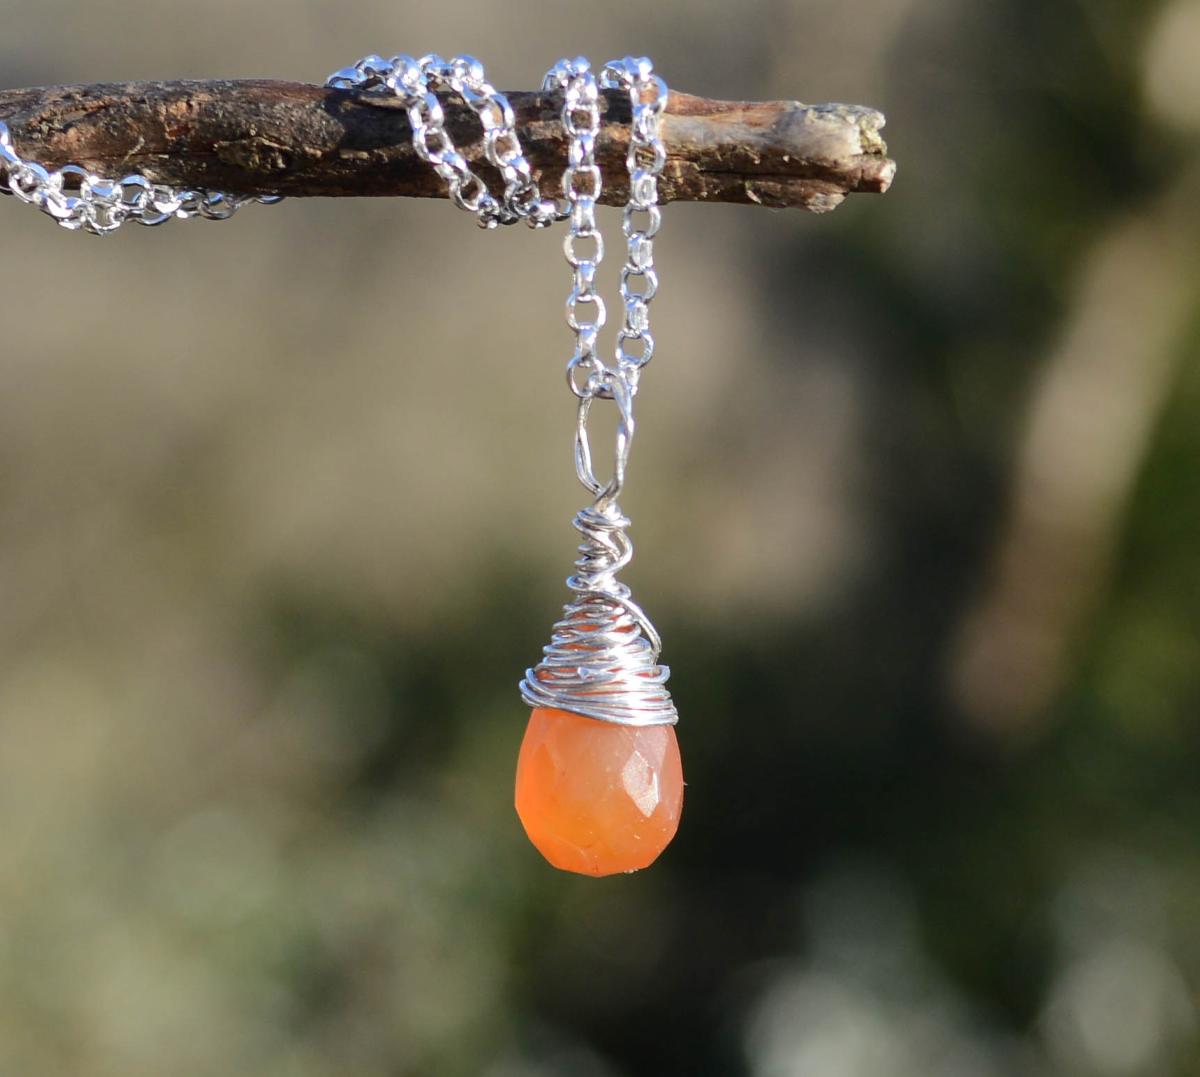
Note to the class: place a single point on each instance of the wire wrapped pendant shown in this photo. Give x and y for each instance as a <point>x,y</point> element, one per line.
<point>599,778</point>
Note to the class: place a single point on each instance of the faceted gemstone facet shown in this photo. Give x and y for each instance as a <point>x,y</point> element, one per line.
<point>598,798</point>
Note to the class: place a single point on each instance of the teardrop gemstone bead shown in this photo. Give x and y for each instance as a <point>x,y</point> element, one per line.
<point>598,798</point>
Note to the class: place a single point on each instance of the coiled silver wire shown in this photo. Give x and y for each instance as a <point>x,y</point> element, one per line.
<point>602,659</point>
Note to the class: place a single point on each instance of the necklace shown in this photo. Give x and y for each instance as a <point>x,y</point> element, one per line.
<point>599,784</point>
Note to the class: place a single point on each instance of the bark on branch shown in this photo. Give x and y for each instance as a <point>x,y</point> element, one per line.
<point>263,137</point>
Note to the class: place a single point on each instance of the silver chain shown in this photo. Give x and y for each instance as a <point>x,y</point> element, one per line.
<point>589,377</point>
<point>77,198</point>
<point>644,160</point>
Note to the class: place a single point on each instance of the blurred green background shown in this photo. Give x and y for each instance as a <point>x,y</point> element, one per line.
<point>285,507</point>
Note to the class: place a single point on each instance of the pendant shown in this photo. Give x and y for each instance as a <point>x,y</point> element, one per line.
<point>599,785</point>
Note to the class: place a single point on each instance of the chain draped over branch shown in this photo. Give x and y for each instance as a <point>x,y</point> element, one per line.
<point>259,137</point>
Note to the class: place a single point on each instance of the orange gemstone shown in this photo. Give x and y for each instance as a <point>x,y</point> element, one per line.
<point>598,798</point>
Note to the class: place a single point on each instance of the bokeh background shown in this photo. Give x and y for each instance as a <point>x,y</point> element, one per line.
<point>284,515</point>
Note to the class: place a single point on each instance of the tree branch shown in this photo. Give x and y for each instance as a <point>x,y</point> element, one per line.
<point>262,137</point>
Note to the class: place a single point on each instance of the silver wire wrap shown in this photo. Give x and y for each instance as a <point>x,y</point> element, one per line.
<point>602,659</point>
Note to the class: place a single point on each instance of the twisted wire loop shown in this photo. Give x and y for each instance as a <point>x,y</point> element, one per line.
<point>602,658</point>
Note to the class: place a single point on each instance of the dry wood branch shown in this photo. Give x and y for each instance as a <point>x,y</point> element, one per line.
<point>261,137</point>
